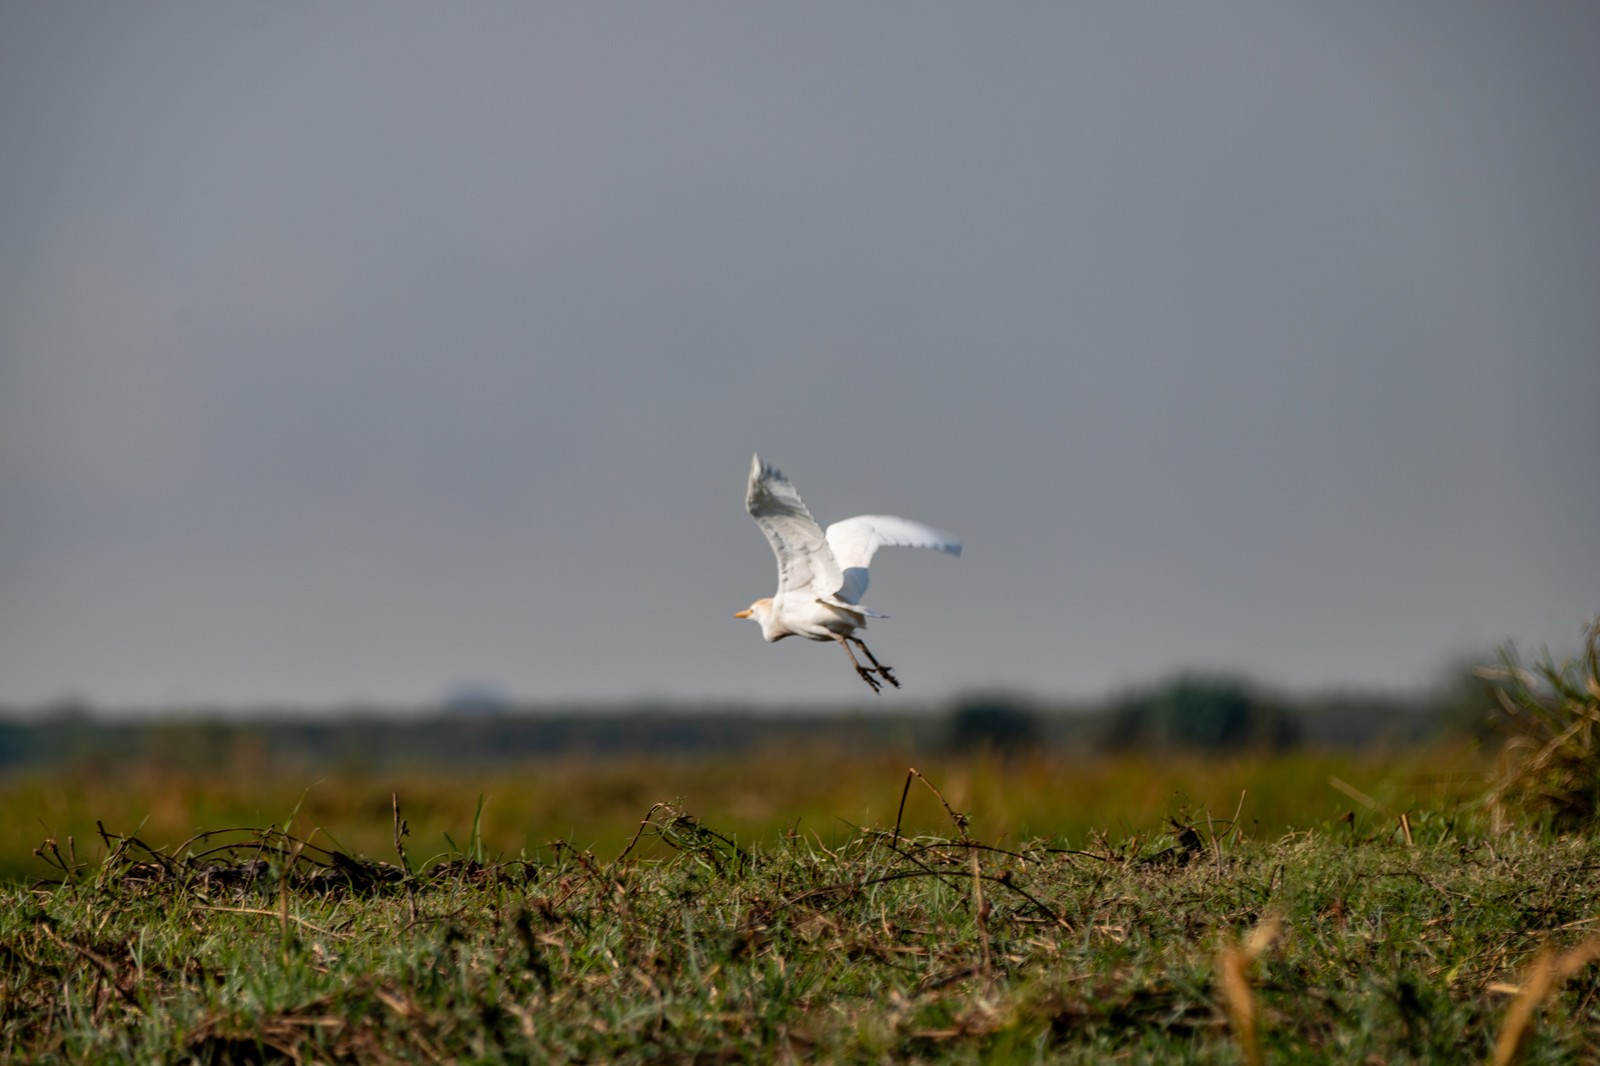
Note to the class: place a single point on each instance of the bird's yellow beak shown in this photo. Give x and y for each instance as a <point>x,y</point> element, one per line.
<point>741,614</point>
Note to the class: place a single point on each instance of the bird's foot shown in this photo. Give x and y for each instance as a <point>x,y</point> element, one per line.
<point>883,671</point>
<point>872,682</point>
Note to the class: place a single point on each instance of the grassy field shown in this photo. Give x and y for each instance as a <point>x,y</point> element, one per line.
<point>596,803</point>
<point>209,892</point>
<point>1023,911</point>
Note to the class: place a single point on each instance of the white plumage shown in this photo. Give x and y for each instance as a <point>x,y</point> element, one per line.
<point>823,575</point>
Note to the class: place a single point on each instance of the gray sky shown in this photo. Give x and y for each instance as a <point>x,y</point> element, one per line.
<point>351,352</point>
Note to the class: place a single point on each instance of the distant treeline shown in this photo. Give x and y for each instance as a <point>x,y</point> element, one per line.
<point>1199,712</point>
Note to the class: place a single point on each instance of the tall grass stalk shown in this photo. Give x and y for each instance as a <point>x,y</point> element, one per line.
<point>1549,766</point>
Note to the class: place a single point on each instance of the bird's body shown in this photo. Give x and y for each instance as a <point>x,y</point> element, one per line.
<point>823,574</point>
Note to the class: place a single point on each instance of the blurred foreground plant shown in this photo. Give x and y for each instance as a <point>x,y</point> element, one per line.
<point>1549,767</point>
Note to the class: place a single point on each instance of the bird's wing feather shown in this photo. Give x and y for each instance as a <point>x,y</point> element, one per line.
<point>854,540</point>
<point>805,561</point>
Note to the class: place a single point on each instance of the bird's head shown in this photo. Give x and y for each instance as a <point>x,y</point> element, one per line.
<point>760,611</point>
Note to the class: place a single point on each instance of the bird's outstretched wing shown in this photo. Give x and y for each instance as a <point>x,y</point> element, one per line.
<point>805,562</point>
<point>854,540</point>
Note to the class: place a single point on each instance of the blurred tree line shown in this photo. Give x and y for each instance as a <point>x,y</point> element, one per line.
<point>1199,712</point>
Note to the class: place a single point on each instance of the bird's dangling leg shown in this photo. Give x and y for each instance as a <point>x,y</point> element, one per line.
<point>866,675</point>
<point>883,671</point>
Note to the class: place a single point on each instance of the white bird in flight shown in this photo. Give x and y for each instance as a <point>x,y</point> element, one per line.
<point>821,576</point>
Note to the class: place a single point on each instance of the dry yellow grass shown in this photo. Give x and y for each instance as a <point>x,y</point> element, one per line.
<point>1547,972</point>
<point>595,803</point>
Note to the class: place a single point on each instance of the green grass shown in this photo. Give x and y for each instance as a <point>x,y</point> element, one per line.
<point>956,939</point>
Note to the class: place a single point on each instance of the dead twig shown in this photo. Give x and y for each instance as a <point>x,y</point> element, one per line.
<point>637,833</point>
<point>100,962</point>
<point>272,914</point>
<point>960,820</point>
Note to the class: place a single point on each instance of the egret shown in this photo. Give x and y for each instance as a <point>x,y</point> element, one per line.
<point>822,575</point>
